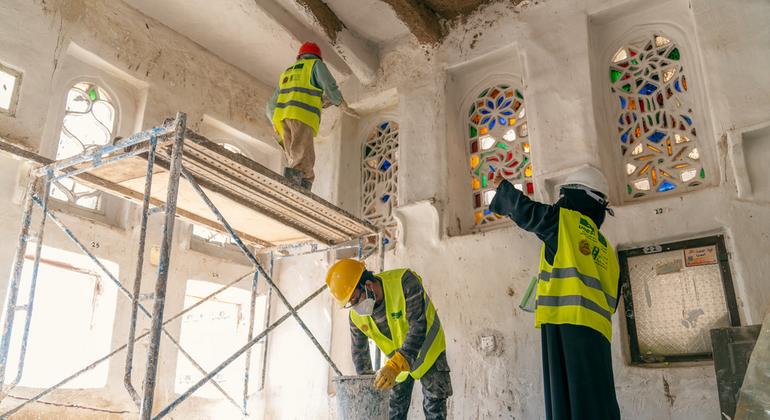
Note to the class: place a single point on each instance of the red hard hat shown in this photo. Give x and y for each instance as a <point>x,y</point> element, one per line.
<point>309,48</point>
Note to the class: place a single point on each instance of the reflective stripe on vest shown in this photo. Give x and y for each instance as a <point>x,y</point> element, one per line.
<point>298,99</point>
<point>395,307</point>
<point>581,287</point>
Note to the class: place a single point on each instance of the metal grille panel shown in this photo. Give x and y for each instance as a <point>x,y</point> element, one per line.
<point>675,306</point>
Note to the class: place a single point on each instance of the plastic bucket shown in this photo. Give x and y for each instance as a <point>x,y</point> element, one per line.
<point>357,399</point>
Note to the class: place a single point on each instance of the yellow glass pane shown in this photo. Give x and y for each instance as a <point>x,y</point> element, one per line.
<point>476,184</point>
<point>512,121</point>
<point>479,217</point>
<point>475,161</point>
<point>528,171</point>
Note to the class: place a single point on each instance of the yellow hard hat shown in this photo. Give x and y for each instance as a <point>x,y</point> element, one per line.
<point>343,277</point>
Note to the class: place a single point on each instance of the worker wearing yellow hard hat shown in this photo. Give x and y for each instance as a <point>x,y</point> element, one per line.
<point>393,309</point>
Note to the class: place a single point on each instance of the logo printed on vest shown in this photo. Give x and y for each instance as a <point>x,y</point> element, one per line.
<point>396,315</point>
<point>364,328</point>
<point>584,247</point>
<point>595,252</point>
<point>585,227</point>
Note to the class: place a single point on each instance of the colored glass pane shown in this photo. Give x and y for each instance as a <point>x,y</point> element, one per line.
<point>654,117</point>
<point>379,179</point>
<point>499,118</point>
<point>615,75</point>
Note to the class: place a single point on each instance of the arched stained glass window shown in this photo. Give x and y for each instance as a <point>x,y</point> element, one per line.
<point>655,121</point>
<point>498,145</point>
<point>379,172</point>
<point>89,122</point>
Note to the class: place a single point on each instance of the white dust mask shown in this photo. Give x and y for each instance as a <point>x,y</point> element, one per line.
<point>366,306</point>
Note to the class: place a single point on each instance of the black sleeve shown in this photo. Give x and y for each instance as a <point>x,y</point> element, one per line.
<point>359,347</point>
<point>538,218</point>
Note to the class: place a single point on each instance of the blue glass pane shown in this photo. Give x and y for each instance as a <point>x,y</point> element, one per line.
<point>656,137</point>
<point>648,89</point>
<point>507,112</point>
<point>676,86</point>
<point>384,125</point>
<point>385,165</point>
<point>666,186</point>
<point>507,104</point>
<point>490,105</point>
<point>624,137</point>
<point>501,120</point>
<point>623,102</point>
<point>487,212</point>
<point>500,100</point>
<point>688,119</point>
<point>385,198</point>
<point>491,169</point>
<point>491,125</point>
<point>485,120</point>
<point>385,241</point>
<point>484,111</point>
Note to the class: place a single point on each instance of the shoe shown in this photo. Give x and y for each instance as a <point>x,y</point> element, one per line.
<point>306,184</point>
<point>293,175</point>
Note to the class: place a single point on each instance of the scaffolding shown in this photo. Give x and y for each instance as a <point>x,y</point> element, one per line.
<point>330,228</point>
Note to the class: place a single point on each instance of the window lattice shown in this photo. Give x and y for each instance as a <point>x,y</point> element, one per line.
<point>89,120</point>
<point>655,119</point>
<point>498,141</point>
<point>380,178</point>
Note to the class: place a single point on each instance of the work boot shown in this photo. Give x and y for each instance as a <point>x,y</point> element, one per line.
<point>306,184</point>
<point>293,175</point>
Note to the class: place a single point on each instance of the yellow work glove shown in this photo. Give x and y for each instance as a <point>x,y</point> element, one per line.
<point>386,376</point>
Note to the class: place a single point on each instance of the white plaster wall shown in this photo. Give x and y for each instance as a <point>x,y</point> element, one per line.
<point>471,277</point>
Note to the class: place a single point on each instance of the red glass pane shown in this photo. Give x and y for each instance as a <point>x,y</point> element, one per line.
<point>530,188</point>
<point>475,147</point>
<point>477,198</point>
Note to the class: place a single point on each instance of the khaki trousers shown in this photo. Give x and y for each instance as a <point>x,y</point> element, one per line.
<point>299,148</point>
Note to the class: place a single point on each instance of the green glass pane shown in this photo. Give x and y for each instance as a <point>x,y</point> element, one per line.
<point>703,173</point>
<point>478,170</point>
<point>518,94</point>
<point>524,161</point>
<point>502,145</point>
<point>615,75</point>
<point>483,181</point>
<point>627,88</point>
<point>484,93</point>
<point>473,131</point>
<point>628,188</point>
<point>634,62</point>
<point>674,54</point>
<point>92,93</point>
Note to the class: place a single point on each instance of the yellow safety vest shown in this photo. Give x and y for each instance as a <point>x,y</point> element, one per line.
<point>581,287</point>
<point>298,99</point>
<point>395,307</point>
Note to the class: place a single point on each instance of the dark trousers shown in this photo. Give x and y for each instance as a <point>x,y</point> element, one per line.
<point>577,374</point>
<point>436,388</point>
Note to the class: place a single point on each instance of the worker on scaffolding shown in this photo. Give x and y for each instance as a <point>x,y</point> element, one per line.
<point>393,309</point>
<point>577,292</point>
<point>295,111</point>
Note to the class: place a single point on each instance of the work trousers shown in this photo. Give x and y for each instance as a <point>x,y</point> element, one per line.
<point>299,148</point>
<point>436,388</point>
<point>577,374</point>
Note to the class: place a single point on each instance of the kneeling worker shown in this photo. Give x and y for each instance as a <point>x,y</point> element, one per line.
<point>392,309</point>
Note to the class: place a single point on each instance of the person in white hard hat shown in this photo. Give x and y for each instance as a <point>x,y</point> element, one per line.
<point>577,293</point>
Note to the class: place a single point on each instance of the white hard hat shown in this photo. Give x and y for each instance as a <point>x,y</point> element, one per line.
<point>588,177</point>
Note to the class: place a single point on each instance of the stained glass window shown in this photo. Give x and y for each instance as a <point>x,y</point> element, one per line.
<point>655,121</point>
<point>498,146</point>
<point>89,121</point>
<point>379,171</point>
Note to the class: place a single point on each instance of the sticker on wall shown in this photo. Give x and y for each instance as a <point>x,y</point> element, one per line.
<point>705,255</point>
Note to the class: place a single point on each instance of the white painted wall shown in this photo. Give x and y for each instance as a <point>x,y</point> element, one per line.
<point>470,277</point>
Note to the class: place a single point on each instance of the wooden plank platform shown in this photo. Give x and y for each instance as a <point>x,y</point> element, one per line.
<point>262,206</point>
